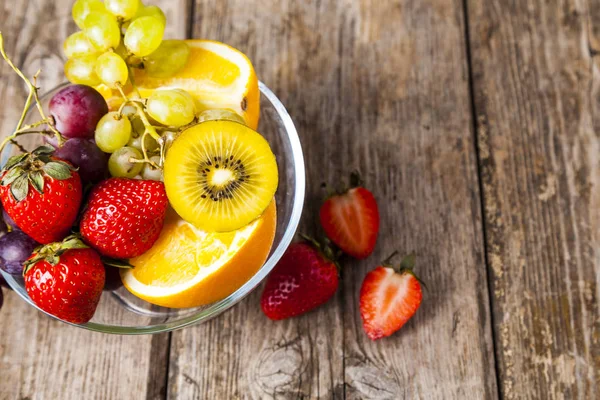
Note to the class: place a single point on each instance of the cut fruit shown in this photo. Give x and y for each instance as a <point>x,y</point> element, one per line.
<point>220,175</point>
<point>188,267</point>
<point>217,75</point>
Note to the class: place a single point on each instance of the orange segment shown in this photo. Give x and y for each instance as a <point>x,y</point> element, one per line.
<point>188,267</point>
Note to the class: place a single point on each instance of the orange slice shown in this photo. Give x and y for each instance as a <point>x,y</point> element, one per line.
<point>217,75</point>
<point>188,267</point>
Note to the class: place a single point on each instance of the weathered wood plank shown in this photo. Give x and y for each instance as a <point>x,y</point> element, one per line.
<point>407,122</point>
<point>41,358</point>
<point>383,87</point>
<point>241,354</point>
<point>536,86</point>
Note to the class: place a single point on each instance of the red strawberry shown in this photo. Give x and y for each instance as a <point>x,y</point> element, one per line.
<point>303,279</point>
<point>124,217</point>
<point>65,279</point>
<point>351,220</point>
<point>42,194</point>
<point>388,298</point>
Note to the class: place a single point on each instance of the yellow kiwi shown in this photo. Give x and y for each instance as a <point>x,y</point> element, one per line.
<point>220,175</point>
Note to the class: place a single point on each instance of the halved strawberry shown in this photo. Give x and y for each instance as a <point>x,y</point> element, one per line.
<point>389,297</point>
<point>351,220</point>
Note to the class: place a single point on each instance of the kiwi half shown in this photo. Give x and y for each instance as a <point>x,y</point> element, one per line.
<point>220,175</point>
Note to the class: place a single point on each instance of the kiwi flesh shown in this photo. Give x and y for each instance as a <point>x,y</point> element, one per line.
<point>220,175</point>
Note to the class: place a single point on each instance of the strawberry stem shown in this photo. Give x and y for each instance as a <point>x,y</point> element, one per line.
<point>355,179</point>
<point>408,262</point>
<point>388,260</point>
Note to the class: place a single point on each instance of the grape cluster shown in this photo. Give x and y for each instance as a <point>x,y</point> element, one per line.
<point>116,37</point>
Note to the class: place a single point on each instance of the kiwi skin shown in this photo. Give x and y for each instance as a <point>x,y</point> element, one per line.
<point>220,175</point>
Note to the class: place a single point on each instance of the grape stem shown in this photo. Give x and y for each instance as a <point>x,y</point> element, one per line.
<point>33,95</point>
<point>23,149</point>
<point>149,129</point>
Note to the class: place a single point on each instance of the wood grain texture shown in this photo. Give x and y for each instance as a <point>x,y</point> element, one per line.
<point>242,354</point>
<point>536,85</point>
<point>41,358</point>
<point>383,87</point>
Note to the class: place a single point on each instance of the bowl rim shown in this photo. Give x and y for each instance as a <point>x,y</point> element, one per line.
<point>222,305</point>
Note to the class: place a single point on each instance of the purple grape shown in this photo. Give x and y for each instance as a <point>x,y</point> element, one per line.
<point>113,278</point>
<point>9,221</point>
<point>15,248</point>
<point>76,110</point>
<point>83,153</point>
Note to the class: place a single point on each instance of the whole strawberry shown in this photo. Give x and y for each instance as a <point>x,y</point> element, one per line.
<point>389,297</point>
<point>65,279</point>
<point>351,219</point>
<point>41,194</point>
<point>124,217</point>
<point>302,280</point>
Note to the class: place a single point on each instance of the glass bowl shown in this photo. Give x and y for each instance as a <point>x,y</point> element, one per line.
<point>120,312</point>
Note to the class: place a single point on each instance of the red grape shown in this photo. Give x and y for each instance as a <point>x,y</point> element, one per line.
<point>15,248</point>
<point>83,153</point>
<point>76,110</point>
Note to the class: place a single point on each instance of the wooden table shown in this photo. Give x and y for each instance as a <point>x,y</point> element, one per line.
<point>474,123</point>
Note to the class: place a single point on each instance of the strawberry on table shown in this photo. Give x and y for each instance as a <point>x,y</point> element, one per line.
<point>41,194</point>
<point>124,217</point>
<point>351,219</point>
<point>65,279</point>
<point>389,297</point>
<point>302,280</point>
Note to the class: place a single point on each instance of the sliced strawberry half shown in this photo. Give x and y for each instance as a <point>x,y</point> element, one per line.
<point>351,220</point>
<point>389,297</point>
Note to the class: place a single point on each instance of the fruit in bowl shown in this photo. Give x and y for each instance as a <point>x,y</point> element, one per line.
<point>161,136</point>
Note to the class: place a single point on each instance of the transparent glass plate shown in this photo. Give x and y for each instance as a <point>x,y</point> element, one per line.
<point>120,312</point>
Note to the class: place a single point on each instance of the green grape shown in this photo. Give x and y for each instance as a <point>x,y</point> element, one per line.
<point>77,45</point>
<point>220,114</point>
<point>111,69</point>
<point>81,70</point>
<point>170,57</point>
<point>119,164</point>
<point>149,142</point>
<point>125,9</point>
<point>129,111</point>
<point>144,35</point>
<point>82,8</point>
<point>148,11</point>
<point>171,107</point>
<point>152,11</point>
<point>112,132</point>
<point>151,173</point>
<point>102,30</point>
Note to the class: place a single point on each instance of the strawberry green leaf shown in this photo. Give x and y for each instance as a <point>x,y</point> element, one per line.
<point>45,149</point>
<point>408,262</point>
<point>20,188</point>
<point>73,242</point>
<point>14,160</point>
<point>57,170</point>
<point>37,181</point>
<point>53,259</point>
<point>44,158</point>
<point>11,176</point>
<point>113,262</point>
